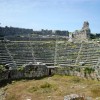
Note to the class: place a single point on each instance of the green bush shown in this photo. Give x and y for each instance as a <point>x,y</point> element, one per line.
<point>2,68</point>
<point>20,68</point>
<point>89,70</point>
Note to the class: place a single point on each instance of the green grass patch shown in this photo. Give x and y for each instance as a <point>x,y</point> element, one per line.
<point>76,79</point>
<point>46,85</point>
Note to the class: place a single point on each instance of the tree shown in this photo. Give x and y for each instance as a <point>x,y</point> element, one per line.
<point>93,36</point>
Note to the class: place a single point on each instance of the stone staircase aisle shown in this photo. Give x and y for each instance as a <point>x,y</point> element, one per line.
<point>89,54</point>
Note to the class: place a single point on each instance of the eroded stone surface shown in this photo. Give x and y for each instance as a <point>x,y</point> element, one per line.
<point>76,97</point>
<point>85,25</point>
<point>2,94</point>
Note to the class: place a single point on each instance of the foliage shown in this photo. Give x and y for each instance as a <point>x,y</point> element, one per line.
<point>78,69</point>
<point>88,70</point>
<point>20,68</point>
<point>2,68</point>
<point>92,36</point>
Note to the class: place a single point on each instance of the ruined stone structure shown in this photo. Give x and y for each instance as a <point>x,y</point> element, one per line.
<point>31,70</point>
<point>35,70</point>
<point>83,34</point>
<point>14,31</point>
<point>69,56</point>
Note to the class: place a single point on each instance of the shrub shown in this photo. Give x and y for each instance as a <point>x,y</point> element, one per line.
<point>46,85</point>
<point>88,70</point>
<point>2,68</point>
<point>20,68</point>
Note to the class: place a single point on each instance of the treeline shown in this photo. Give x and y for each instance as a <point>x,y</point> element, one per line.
<point>95,36</point>
<point>51,32</point>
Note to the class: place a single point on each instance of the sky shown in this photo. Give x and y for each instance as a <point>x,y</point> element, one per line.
<point>50,14</point>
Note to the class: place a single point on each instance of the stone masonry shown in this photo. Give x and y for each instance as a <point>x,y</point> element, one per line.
<point>83,34</point>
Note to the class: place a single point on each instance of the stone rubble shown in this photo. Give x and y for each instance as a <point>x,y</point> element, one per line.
<point>2,94</point>
<point>76,97</point>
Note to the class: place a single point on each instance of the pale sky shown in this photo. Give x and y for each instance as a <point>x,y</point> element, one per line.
<point>50,14</point>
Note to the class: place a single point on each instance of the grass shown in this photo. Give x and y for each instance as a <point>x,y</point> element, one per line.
<point>33,89</point>
<point>46,85</point>
<point>95,91</point>
<point>54,88</point>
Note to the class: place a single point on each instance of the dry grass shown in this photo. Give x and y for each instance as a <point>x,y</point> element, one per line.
<point>52,88</point>
<point>96,91</point>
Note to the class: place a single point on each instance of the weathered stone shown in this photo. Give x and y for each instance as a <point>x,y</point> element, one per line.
<point>85,25</point>
<point>73,97</point>
<point>77,97</point>
<point>2,94</point>
<point>83,34</point>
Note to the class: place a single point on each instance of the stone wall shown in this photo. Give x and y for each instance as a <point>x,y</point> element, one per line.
<point>29,71</point>
<point>35,70</point>
<point>84,72</point>
<point>6,31</point>
<point>83,34</point>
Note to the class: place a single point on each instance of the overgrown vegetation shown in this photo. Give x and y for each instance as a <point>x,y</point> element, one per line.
<point>88,71</point>
<point>95,36</point>
<point>54,88</point>
<point>46,85</point>
<point>2,68</point>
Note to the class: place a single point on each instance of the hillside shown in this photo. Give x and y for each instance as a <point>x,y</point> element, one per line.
<point>64,52</point>
<point>52,88</point>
